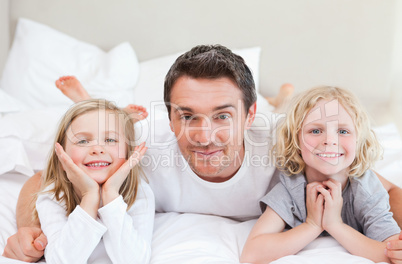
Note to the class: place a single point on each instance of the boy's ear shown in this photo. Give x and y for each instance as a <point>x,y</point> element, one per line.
<point>251,115</point>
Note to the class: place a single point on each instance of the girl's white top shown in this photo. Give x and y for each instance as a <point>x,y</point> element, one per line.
<point>116,236</point>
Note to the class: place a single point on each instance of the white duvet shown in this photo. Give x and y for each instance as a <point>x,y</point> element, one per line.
<point>185,238</point>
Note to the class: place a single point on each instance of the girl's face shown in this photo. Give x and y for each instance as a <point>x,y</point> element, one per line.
<point>328,140</point>
<point>96,144</point>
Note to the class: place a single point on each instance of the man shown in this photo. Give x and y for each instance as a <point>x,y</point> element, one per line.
<point>214,162</point>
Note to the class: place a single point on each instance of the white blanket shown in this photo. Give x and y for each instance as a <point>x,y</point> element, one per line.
<point>185,238</point>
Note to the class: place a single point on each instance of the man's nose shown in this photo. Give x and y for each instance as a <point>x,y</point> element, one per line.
<point>202,132</point>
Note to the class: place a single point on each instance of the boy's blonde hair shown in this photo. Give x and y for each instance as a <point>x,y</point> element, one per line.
<point>287,148</point>
<point>54,173</point>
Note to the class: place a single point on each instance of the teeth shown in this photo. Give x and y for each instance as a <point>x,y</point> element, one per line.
<point>98,164</point>
<point>328,155</point>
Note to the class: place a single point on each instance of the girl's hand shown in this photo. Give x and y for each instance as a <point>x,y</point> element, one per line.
<point>86,188</point>
<point>83,184</point>
<point>315,205</point>
<point>333,205</point>
<point>110,189</point>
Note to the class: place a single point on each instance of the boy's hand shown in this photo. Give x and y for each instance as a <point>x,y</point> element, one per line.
<point>315,205</point>
<point>333,203</point>
<point>110,189</point>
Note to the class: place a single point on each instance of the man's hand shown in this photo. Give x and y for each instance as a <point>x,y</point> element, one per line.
<point>28,244</point>
<point>394,250</point>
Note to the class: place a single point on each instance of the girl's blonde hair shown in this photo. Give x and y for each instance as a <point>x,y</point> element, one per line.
<point>54,173</point>
<point>287,148</point>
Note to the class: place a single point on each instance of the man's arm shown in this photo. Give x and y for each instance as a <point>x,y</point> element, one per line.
<point>395,198</point>
<point>29,242</point>
<point>25,204</point>
<point>394,247</point>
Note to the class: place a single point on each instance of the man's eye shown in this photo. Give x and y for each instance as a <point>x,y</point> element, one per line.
<point>187,117</point>
<point>110,140</point>
<point>223,117</point>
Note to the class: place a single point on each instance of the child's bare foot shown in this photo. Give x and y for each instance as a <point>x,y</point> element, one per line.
<point>72,88</point>
<point>283,96</point>
<point>136,112</point>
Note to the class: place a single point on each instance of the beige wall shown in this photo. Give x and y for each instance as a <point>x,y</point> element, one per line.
<point>305,42</point>
<point>4,32</point>
<point>396,75</point>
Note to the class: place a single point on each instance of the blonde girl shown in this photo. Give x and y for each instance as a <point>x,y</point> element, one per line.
<point>93,205</point>
<point>325,149</point>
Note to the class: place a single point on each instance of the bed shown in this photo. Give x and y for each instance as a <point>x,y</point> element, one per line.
<point>30,107</point>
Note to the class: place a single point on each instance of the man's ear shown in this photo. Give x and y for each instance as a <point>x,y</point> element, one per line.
<point>171,125</point>
<point>251,115</point>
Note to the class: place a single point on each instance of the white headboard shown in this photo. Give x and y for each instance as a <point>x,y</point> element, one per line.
<point>305,42</point>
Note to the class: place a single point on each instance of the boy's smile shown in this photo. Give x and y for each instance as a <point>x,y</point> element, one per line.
<point>328,140</point>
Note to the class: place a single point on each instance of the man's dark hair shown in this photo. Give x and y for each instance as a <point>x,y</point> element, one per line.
<point>212,62</point>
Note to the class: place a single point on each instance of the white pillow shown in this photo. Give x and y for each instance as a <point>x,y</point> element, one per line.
<point>26,138</point>
<point>40,55</point>
<point>152,75</point>
<point>9,103</point>
<point>13,157</point>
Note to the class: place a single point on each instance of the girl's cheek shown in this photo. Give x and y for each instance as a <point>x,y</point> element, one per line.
<point>75,154</point>
<point>121,152</point>
<point>121,161</point>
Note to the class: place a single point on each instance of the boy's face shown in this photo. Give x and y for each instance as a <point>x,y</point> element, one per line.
<point>208,119</point>
<point>96,144</point>
<point>328,139</point>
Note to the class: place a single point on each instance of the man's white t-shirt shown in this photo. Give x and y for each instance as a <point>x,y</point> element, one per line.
<point>178,189</point>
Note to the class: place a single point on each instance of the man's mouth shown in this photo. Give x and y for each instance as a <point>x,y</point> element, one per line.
<point>207,153</point>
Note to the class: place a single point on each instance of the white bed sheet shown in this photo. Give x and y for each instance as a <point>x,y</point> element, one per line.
<point>185,238</point>
<point>191,238</point>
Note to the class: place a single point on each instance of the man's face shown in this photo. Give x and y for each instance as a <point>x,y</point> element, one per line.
<point>208,119</point>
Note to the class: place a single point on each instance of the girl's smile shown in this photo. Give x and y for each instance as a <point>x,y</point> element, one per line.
<point>96,144</point>
<point>97,164</point>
